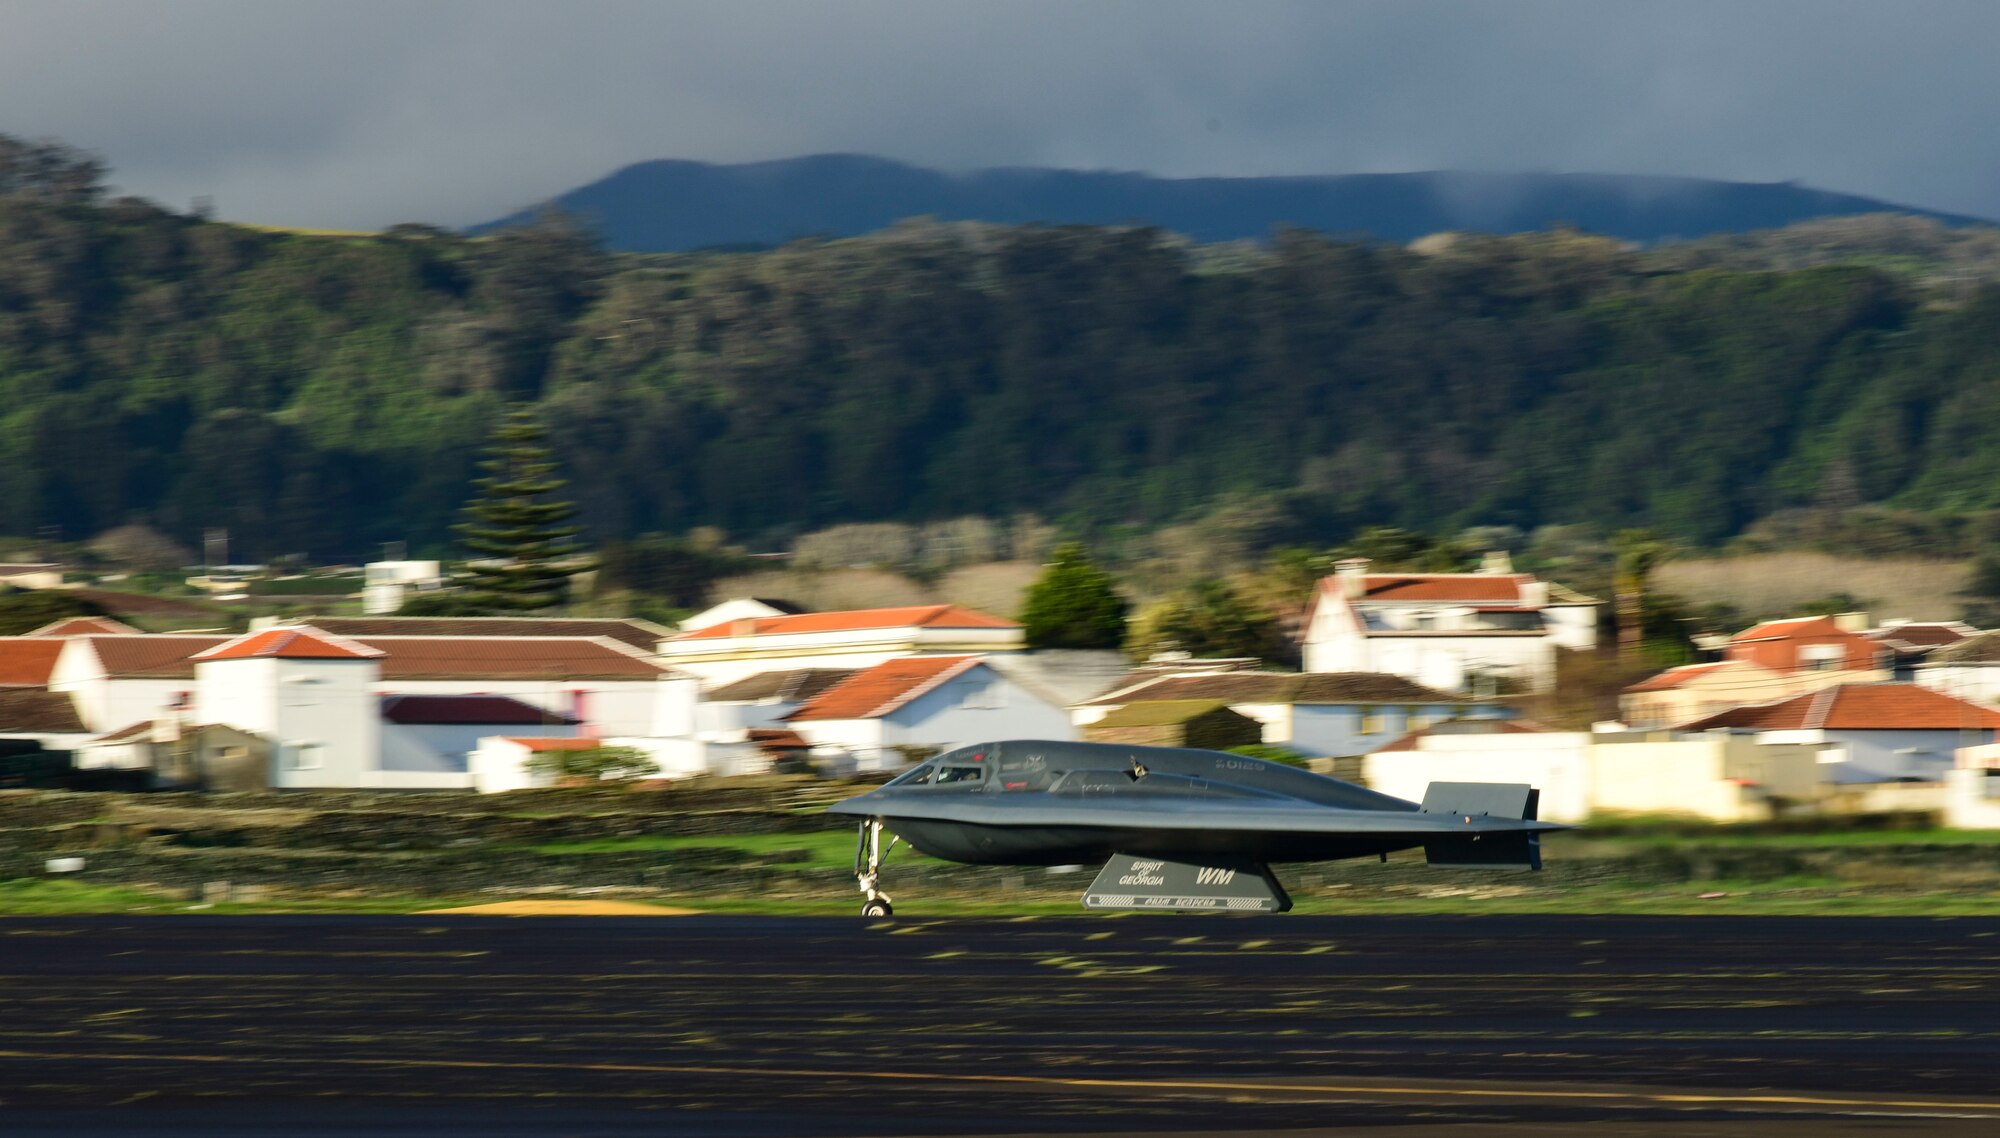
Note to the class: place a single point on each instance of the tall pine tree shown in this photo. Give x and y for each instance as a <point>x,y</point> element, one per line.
<point>525,554</point>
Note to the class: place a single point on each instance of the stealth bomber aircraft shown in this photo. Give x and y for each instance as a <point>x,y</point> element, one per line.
<point>1182,829</point>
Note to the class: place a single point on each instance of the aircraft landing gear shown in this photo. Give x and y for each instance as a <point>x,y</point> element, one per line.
<point>868,854</point>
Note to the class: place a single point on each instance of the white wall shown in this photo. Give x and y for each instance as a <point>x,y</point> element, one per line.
<point>1572,626</point>
<point>445,746</point>
<point>1972,799</point>
<point>1979,683</point>
<point>1556,763</point>
<point>106,704</point>
<point>326,708</point>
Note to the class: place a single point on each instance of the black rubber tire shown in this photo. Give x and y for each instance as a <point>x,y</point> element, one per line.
<point>877,908</point>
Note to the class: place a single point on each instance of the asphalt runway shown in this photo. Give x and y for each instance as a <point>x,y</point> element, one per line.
<point>827,1026</point>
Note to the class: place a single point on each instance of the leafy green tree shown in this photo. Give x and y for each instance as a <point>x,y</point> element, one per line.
<point>1639,552</point>
<point>1206,620</point>
<point>527,553</point>
<point>30,609</point>
<point>1074,604</point>
<point>597,764</point>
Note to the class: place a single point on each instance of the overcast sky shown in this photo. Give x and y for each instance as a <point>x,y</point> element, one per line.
<point>363,113</point>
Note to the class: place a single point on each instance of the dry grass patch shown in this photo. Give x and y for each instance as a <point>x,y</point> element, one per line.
<point>1771,584</point>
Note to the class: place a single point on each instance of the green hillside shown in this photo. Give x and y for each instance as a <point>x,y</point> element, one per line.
<point>318,394</point>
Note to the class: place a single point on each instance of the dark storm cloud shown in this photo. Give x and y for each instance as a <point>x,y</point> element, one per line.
<point>367,112</point>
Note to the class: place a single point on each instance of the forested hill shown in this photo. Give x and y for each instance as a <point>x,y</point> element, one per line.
<point>676,206</point>
<point>319,394</point>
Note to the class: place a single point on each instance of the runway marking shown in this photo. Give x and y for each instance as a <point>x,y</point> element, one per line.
<point>1861,1106</point>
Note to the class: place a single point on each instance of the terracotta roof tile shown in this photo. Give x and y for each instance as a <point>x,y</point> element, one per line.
<point>1858,707</point>
<point>556,658</point>
<point>26,660</point>
<point>637,633</point>
<point>877,691</point>
<point>1789,627</point>
<point>1675,677</point>
<point>561,744</point>
<point>151,657</point>
<point>289,644</point>
<point>796,686</point>
<point>552,659</point>
<point>1471,588</point>
<point>1921,634</point>
<point>38,712</point>
<point>856,620</point>
<point>1275,687</point>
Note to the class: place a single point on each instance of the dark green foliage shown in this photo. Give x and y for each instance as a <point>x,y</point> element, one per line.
<point>449,603</point>
<point>1073,605</point>
<point>318,395</point>
<point>1390,548</point>
<point>25,611</point>
<point>1209,620</point>
<point>598,764</point>
<point>525,553</point>
<point>676,571</point>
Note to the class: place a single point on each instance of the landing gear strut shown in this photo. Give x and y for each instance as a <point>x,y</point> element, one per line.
<point>868,854</point>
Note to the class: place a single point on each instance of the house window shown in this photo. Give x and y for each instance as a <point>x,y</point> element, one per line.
<point>1821,657</point>
<point>1373,721</point>
<point>233,752</point>
<point>1420,718</point>
<point>308,756</point>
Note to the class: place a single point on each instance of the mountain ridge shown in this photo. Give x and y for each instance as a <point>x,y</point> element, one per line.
<point>680,205</point>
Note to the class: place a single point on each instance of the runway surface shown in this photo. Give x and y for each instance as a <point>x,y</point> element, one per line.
<point>752,1026</point>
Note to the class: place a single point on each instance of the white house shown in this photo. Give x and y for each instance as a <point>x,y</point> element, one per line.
<point>739,608</point>
<point>1719,776</point>
<point>1449,631</point>
<point>724,653</point>
<point>1317,713</point>
<point>118,681</point>
<point>924,701</point>
<point>1868,733</point>
<point>310,693</point>
<point>386,584</point>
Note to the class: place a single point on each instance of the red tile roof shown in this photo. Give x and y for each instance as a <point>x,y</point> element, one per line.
<point>1918,634</point>
<point>1789,627</point>
<point>637,633</point>
<point>140,730</point>
<point>564,744</point>
<point>1675,677</point>
<point>856,620</point>
<point>86,626</point>
<point>556,659</point>
<point>27,661</point>
<point>303,643</point>
<point>150,657</point>
<point>877,691</point>
<point>1858,707</point>
<point>551,659</point>
<point>32,711</point>
<point>1469,588</point>
<point>464,710</point>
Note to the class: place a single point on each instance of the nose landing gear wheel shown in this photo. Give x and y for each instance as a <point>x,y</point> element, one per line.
<point>868,854</point>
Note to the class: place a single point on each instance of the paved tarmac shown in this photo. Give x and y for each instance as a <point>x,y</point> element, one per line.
<point>1479,1026</point>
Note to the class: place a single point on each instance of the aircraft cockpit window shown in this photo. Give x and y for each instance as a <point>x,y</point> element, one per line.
<point>918,776</point>
<point>959,774</point>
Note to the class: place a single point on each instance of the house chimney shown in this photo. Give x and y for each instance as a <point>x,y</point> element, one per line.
<point>1352,574</point>
<point>1851,621</point>
<point>1496,561</point>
